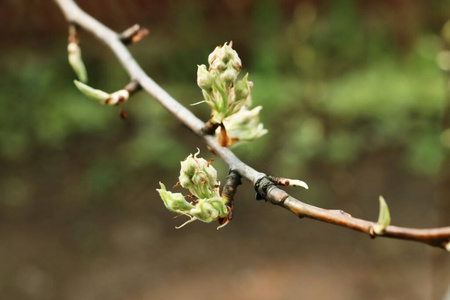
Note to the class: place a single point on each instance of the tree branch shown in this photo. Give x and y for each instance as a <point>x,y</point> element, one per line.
<point>266,189</point>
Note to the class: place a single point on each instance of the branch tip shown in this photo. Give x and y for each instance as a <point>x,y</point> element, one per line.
<point>447,246</point>
<point>133,87</point>
<point>73,32</point>
<point>133,34</point>
<point>102,97</point>
<point>74,54</point>
<point>288,182</point>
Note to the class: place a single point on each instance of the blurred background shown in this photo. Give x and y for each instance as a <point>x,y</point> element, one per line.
<point>354,102</point>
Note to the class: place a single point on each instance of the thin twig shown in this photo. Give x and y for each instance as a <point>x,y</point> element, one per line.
<point>132,87</point>
<point>133,34</point>
<point>439,237</point>
<point>232,181</point>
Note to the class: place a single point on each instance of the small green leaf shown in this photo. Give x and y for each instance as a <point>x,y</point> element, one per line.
<point>174,202</point>
<point>384,218</point>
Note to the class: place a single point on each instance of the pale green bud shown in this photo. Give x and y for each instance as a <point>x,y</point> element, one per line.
<point>95,94</point>
<point>219,204</point>
<point>102,97</point>
<point>228,53</point>
<point>233,58</point>
<point>117,98</point>
<point>384,218</point>
<point>244,125</point>
<point>217,54</point>
<point>75,60</point>
<point>204,211</point>
<point>208,210</point>
<point>175,202</point>
<point>204,78</point>
<point>218,66</point>
<point>228,77</point>
<point>224,57</point>
<point>213,55</point>
<point>222,93</point>
<point>199,176</point>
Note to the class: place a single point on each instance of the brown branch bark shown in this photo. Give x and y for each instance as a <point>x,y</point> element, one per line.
<point>439,237</point>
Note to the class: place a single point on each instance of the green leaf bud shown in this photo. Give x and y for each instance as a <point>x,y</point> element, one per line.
<point>218,66</point>
<point>102,97</point>
<point>384,218</point>
<point>227,96</point>
<point>223,56</point>
<point>117,98</point>
<point>217,54</point>
<point>76,61</point>
<point>208,210</point>
<point>204,211</point>
<point>95,94</point>
<point>199,176</point>
<point>219,204</point>
<point>217,82</point>
<point>204,78</point>
<point>228,77</point>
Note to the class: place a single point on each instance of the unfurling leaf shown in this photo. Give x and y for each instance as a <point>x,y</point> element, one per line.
<point>244,126</point>
<point>175,202</point>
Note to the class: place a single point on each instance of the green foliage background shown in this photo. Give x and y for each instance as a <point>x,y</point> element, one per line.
<point>334,80</point>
